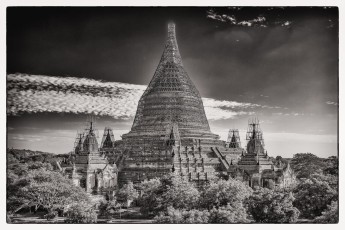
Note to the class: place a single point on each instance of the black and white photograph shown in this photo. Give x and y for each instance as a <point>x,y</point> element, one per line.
<point>172,115</point>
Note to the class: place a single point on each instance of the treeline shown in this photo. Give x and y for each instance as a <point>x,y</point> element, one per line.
<point>313,198</point>
<point>34,184</point>
<point>171,199</point>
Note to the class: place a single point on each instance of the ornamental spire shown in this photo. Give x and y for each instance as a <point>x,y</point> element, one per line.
<point>171,30</point>
<point>171,52</point>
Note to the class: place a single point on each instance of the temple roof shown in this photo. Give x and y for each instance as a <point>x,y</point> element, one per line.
<point>90,142</point>
<point>107,141</point>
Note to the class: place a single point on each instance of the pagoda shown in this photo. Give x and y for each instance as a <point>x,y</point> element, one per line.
<point>170,132</point>
<point>255,166</point>
<point>89,168</point>
<point>170,98</point>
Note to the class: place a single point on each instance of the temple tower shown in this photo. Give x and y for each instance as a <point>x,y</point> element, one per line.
<point>254,137</point>
<point>170,98</point>
<point>170,132</point>
<point>233,139</point>
<point>90,168</point>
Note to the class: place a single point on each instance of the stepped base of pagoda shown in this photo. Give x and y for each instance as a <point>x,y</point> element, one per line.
<point>154,134</point>
<point>195,160</point>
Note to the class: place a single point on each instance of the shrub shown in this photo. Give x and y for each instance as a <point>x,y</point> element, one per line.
<point>81,213</point>
<point>177,216</point>
<point>127,193</point>
<point>306,164</point>
<point>330,215</point>
<point>269,206</point>
<point>174,191</point>
<point>51,215</point>
<point>108,209</point>
<point>229,214</point>
<point>222,193</point>
<point>313,196</point>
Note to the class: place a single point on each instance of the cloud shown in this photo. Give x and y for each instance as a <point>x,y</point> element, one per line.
<point>273,16</point>
<point>38,93</point>
<point>331,103</point>
<point>288,114</point>
<point>209,102</point>
<point>258,21</point>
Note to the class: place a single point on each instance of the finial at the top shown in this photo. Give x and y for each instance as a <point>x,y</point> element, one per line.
<point>171,25</point>
<point>171,29</point>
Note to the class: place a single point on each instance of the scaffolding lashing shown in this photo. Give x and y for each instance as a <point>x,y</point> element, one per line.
<point>108,138</point>
<point>234,140</point>
<point>90,126</point>
<point>78,143</point>
<point>254,133</point>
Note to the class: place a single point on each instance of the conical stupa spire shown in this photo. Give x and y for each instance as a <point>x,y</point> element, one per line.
<point>171,52</point>
<point>171,97</point>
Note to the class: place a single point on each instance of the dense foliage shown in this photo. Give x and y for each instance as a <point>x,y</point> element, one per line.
<point>330,215</point>
<point>222,192</point>
<point>83,213</point>
<point>332,166</point>
<point>171,190</point>
<point>312,197</point>
<point>182,216</point>
<point>150,200</point>
<point>269,206</point>
<point>229,214</point>
<point>33,183</point>
<point>179,193</point>
<point>127,193</point>
<point>176,200</point>
<point>109,208</point>
<point>306,164</point>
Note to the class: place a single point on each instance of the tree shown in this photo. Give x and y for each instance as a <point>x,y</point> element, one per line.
<point>45,189</point>
<point>150,195</point>
<point>279,160</point>
<point>81,212</point>
<point>332,166</point>
<point>109,209</point>
<point>171,190</point>
<point>330,215</point>
<point>331,179</point>
<point>222,193</point>
<point>312,197</point>
<point>269,206</point>
<point>127,193</point>
<point>306,164</point>
<point>180,193</point>
<point>229,214</point>
<point>177,216</point>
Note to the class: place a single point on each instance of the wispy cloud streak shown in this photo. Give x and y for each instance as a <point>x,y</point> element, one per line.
<point>37,93</point>
<point>331,103</point>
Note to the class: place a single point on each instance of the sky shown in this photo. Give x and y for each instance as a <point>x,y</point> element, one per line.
<point>277,64</point>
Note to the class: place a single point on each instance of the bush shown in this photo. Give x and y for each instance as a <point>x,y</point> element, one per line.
<point>330,215</point>
<point>127,193</point>
<point>306,164</point>
<point>269,206</point>
<point>176,216</point>
<point>171,190</point>
<point>313,196</point>
<point>81,213</point>
<point>222,193</point>
<point>51,215</point>
<point>108,209</point>
<point>229,214</point>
